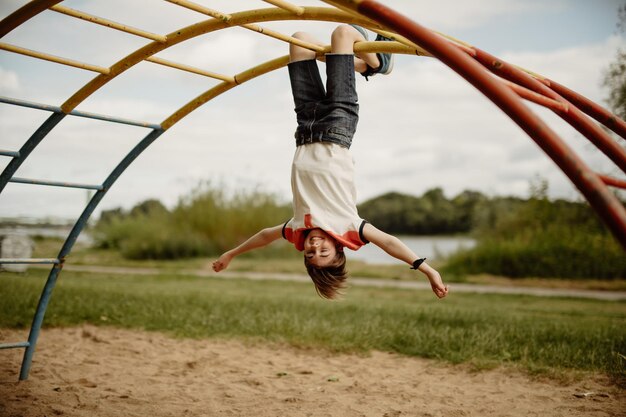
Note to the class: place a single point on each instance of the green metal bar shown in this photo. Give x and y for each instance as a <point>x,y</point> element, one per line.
<point>69,243</point>
<point>14,345</point>
<point>55,183</point>
<point>38,320</point>
<point>55,109</point>
<point>24,261</point>
<point>28,147</point>
<point>9,153</point>
<point>114,119</point>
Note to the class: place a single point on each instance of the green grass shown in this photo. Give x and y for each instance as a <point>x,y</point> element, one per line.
<point>538,334</point>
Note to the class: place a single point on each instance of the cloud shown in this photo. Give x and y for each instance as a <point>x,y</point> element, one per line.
<point>581,67</point>
<point>9,82</point>
<point>421,127</point>
<point>446,133</point>
<point>456,15</point>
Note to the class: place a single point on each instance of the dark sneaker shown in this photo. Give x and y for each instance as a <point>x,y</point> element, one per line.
<point>385,58</point>
<point>361,31</point>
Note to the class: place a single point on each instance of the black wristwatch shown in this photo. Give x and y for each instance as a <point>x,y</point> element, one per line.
<point>418,262</point>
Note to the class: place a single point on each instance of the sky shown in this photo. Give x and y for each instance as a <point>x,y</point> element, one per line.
<point>420,127</point>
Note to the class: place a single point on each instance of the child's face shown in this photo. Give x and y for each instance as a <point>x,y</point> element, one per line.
<point>319,248</point>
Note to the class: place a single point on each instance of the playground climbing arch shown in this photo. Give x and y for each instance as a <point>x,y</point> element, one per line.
<point>507,86</point>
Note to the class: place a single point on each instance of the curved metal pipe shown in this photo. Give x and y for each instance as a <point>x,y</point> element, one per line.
<point>28,147</point>
<point>573,115</point>
<point>201,28</point>
<point>80,224</point>
<point>591,186</point>
<point>589,183</point>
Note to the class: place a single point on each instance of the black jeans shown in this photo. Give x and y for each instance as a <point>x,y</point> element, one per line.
<point>325,115</point>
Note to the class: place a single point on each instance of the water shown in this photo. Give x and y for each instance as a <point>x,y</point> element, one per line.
<point>431,247</point>
<point>60,232</point>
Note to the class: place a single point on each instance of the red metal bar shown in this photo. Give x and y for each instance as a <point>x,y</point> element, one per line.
<point>608,207</point>
<point>594,110</point>
<point>574,116</point>
<point>536,98</point>
<point>614,182</point>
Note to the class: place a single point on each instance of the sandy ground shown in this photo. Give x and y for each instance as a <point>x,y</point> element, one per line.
<point>94,371</point>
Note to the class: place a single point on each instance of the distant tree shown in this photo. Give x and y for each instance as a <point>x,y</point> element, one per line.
<point>148,207</point>
<point>107,216</point>
<point>615,76</point>
<point>432,213</point>
<point>440,213</point>
<point>392,212</point>
<point>466,205</point>
<point>145,208</point>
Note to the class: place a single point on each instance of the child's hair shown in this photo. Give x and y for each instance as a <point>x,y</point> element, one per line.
<point>329,279</point>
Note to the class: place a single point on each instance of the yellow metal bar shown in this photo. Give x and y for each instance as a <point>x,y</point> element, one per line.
<point>108,23</point>
<point>255,28</point>
<point>201,9</point>
<point>280,36</point>
<point>269,66</point>
<point>21,15</point>
<point>287,6</point>
<point>188,68</point>
<point>390,47</point>
<point>201,28</point>
<point>53,58</point>
<point>221,88</point>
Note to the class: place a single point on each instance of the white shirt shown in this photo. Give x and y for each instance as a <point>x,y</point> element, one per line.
<point>324,195</point>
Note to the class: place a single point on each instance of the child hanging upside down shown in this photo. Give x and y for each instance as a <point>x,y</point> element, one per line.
<point>325,219</point>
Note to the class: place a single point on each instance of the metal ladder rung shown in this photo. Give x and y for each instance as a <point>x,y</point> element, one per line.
<point>24,261</point>
<point>14,345</point>
<point>9,153</point>
<point>55,109</point>
<point>114,119</point>
<point>56,183</point>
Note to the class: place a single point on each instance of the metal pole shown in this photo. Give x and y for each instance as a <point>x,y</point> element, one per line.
<point>69,243</point>
<point>28,147</point>
<point>608,207</point>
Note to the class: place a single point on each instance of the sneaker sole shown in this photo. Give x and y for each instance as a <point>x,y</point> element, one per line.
<point>390,68</point>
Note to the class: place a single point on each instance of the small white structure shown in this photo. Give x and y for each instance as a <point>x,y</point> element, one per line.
<point>15,246</point>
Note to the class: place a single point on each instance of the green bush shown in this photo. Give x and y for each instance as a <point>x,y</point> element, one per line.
<point>151,237</point>
<point>599,258</point>
<point>542,238</point>
<point>205,222</point>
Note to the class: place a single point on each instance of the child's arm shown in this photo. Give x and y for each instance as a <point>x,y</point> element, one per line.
<point>394,247</point>
<point>260,239</point>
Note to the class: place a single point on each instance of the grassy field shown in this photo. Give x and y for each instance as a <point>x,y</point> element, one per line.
<point>540,335</point>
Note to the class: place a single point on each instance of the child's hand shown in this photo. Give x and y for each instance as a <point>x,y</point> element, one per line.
<point>436,283</point>
<point>222,262</point>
